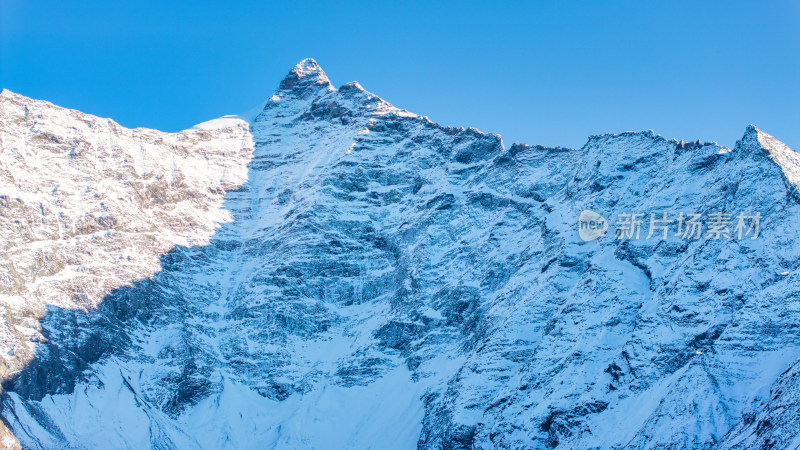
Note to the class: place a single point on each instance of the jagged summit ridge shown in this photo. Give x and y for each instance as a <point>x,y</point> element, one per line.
<point>310,94</point>
<point>307,81</point>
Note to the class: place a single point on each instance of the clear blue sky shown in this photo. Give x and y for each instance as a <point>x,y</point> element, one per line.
<point>547,73</point>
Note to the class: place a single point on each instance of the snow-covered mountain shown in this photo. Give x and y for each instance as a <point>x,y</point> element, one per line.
<point>335,272</point>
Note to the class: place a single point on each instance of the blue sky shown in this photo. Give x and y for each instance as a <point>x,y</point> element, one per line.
<point>547,73</point>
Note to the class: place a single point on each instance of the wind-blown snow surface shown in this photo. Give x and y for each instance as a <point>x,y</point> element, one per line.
<point>386,282</point>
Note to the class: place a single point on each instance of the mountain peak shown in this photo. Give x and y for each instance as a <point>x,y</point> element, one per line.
<point>306,77</point>
<point>751,130</point>
<point>757,142</point>
<point>751,138</point>
<point>306,67</point>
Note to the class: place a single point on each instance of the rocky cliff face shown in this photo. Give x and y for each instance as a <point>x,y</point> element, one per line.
<point>338,273</point>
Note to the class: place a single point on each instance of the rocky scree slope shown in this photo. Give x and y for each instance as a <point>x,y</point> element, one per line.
<point>335,272</point>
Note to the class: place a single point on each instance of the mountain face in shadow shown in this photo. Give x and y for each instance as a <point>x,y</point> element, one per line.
<point>376,279</point>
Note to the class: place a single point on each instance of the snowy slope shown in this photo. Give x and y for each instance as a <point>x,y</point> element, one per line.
<point>373,279</point>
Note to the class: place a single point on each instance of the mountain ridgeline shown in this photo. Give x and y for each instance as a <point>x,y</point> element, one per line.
<point>335,272</point>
